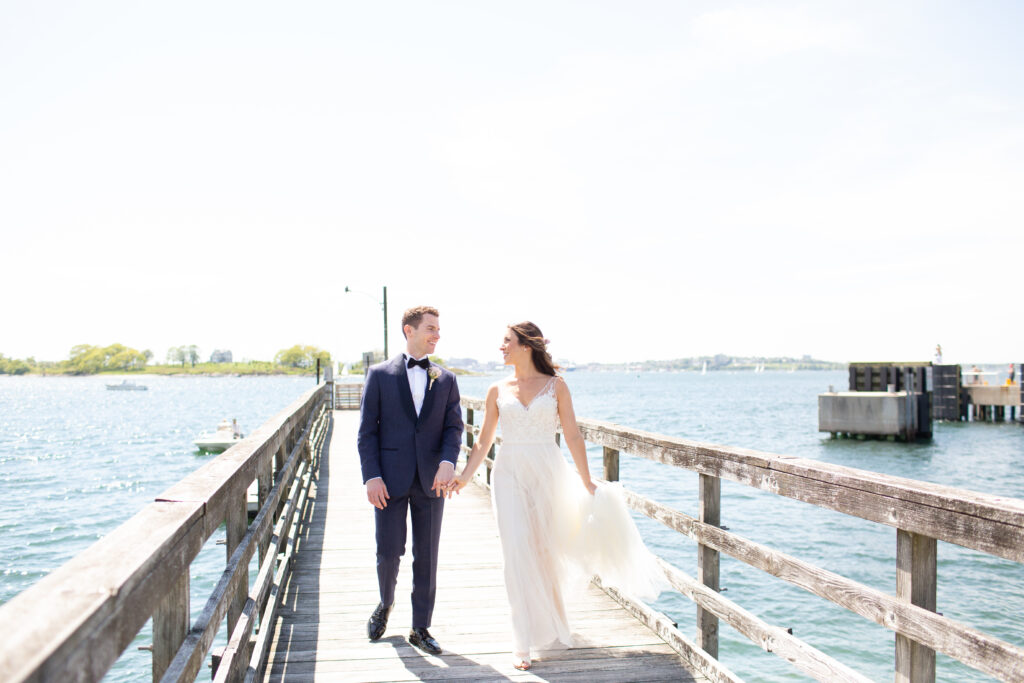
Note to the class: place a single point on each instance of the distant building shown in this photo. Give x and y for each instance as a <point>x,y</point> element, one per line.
<point>219,356</point>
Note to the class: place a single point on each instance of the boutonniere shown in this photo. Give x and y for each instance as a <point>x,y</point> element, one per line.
<point>433,373</point>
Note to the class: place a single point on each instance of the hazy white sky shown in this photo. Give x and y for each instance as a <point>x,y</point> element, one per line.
<point>643,180</point>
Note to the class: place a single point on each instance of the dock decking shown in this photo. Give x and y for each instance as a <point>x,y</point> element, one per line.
<point>321,627</point>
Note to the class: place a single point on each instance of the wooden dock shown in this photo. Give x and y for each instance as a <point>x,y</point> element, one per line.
<point>321,628</point>
<point>303,614</point>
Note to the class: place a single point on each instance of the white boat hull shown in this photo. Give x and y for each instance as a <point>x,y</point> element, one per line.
<point>215,443</point>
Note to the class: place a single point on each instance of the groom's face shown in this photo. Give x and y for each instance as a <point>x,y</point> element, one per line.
<point>421,340</point>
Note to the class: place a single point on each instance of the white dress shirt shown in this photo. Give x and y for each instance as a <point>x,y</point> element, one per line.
<point>417,382</point>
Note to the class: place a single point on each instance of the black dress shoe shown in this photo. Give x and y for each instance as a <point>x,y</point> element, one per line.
<point>378,621</point>
<point>421,638</point>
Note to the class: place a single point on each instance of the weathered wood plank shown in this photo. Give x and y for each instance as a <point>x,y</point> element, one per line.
<point>321,623</point>
<point>975,648</point>
<point>234,581</point>
<point>983,522</point>
<point>915,583</point>
<point>772,639</point>
<point>170,624</point>
<point>710,504</point>
<point>74,623</point>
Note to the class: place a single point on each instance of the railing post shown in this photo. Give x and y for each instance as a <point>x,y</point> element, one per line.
<point>915,583</point>
<point>469,432</point>
<point>280,457</point>
<point>707,561</point>
<point>329,381</point>
<point>611,464</point>
<point>170,625</point>
<point>237,523</point>
<point>265,481</point>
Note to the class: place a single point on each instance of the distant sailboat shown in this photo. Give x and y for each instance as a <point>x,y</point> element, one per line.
<point>704,369</point>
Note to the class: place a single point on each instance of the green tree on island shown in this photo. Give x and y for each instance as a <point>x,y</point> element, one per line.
<point>13,366</point>
<point>180,354</point>
<point>302,357</point>
<point>176,354</point>
<point>88,360</point>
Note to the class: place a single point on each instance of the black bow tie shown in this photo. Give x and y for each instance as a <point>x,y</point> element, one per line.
<point>423,363</point>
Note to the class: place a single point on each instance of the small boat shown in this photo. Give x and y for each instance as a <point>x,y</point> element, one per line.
<point>226,436</point>
<point>125,385</point>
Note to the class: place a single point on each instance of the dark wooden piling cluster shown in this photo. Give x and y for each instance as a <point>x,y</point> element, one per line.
<point>949,398</point>
<point>908,377</point>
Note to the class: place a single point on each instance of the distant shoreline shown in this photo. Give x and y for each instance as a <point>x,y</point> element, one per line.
<point>177,371</point>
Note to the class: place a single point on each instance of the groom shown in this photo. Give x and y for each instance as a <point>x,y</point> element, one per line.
<point>410,433</point>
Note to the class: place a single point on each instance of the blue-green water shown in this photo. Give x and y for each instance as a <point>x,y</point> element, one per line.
<point>77,460</point>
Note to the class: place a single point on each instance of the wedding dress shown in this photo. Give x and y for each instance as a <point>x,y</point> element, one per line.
<point>554,534</point>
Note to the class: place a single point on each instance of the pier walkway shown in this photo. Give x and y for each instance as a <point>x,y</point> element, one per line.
<point>321,627</point>
<point>298,582</point>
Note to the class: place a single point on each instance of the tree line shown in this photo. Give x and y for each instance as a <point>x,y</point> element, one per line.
<point>86,359</point>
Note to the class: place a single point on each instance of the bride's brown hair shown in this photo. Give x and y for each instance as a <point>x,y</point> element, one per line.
<point>530,335</point>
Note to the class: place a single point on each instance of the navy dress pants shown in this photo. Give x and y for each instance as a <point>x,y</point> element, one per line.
<point>426,510</point>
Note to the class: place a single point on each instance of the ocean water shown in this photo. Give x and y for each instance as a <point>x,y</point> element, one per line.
<point>76,461</point>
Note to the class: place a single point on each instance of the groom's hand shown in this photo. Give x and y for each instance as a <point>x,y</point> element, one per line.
<point>445,473</point>
<point>377,493</point>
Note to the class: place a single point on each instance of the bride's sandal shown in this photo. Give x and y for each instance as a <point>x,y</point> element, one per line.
<point>522,664</point>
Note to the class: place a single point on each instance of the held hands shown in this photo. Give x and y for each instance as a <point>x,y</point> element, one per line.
<point>457,484</point>
<point>443,479</point>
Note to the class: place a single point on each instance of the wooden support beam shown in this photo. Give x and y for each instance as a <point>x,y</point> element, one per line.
<point>170,624</point>
<point>915,583</point>
<point>708,561</point>
<point>237,523</point>
<point>611,464</point>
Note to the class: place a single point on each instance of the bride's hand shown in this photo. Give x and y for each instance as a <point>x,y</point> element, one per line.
<point>457,484</point>
<point>590,486</point>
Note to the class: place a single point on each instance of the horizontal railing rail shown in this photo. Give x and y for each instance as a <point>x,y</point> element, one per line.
<point>921,512</point>
<point>347,395</point>
<point>74,623</point>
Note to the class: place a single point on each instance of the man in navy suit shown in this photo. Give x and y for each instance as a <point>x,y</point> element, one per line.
<point>410,433</point>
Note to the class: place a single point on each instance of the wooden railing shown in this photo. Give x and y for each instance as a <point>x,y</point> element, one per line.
<point>73,624</point>
<point>921,513</point>
<point>347,395</point>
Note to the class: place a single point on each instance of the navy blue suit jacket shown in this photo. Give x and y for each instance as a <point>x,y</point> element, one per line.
<point>393,442</point>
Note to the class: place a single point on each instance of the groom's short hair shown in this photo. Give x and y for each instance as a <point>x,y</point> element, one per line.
<point>414,316</point>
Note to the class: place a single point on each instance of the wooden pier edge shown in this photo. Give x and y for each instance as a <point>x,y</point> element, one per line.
<point>75,622</point>
<point>921,513</point>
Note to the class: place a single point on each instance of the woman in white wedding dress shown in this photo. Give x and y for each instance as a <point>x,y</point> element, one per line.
<point>557,527</point>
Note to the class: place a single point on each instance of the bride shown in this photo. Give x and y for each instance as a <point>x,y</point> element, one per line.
<point>553,530</point>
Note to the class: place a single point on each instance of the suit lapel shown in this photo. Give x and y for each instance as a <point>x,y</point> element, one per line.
<point>403,386</point>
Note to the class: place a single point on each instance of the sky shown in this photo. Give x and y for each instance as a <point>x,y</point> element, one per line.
<point>643,180</point>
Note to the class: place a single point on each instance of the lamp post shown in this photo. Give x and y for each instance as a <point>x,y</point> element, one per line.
<point>384,304</point>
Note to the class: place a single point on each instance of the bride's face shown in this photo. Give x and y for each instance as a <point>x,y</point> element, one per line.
<point>511,349</point>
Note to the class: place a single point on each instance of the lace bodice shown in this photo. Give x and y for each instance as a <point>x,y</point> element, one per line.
<point>535,423</point>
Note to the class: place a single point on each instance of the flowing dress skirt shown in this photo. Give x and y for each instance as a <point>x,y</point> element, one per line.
<point>555,536</point>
